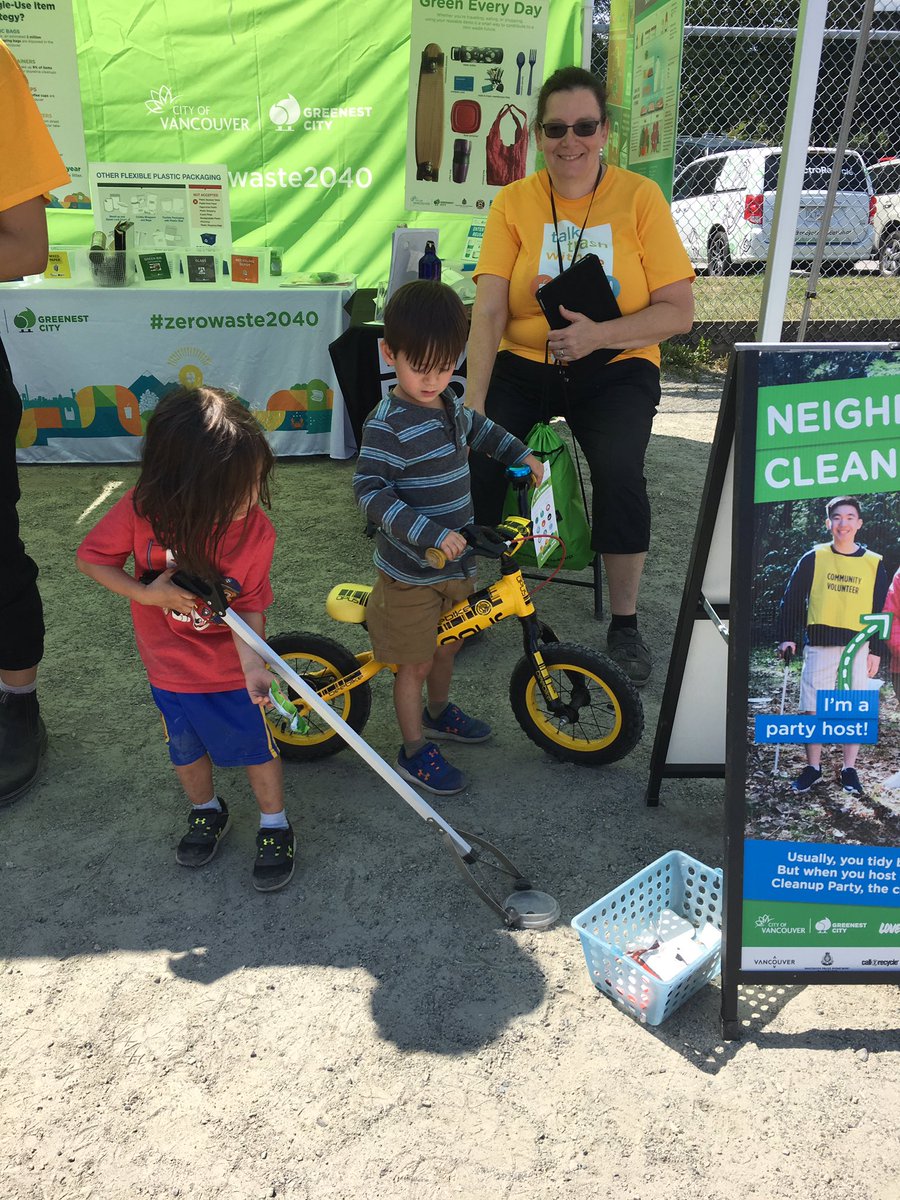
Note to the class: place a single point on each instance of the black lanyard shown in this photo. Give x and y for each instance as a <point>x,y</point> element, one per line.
<point>583,224</point>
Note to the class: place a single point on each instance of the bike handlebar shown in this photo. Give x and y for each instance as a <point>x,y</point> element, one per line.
<point>486,540</point>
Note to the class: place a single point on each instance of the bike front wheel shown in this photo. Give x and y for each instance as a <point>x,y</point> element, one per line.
<point>602,718</point>
<point>318,661</point>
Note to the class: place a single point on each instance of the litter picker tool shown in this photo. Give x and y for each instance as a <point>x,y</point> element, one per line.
<point>787,656</point>
<point>479,862</point>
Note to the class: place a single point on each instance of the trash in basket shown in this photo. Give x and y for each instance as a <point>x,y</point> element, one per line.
<point>655,940</point>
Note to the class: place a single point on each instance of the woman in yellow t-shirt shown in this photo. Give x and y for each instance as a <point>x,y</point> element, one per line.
<point>537,227</point>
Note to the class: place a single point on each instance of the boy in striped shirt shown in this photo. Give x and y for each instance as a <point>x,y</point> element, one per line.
<point>412,483</point>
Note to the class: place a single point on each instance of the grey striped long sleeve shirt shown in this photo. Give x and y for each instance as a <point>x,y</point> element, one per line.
<point>412,480</point>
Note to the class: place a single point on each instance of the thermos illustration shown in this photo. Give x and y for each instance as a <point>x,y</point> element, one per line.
<point>477,54</point>
<point>462,148</point>
<point>430,113</point>
<point>430,264</point>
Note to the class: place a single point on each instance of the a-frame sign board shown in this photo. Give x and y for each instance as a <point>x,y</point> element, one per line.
<point>812,879</point>
<point>690,732</point>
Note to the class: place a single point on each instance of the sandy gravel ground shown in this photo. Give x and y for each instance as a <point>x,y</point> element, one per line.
<point>372,1031</point>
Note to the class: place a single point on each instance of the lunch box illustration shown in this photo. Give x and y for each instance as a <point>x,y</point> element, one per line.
<point>465,116</point>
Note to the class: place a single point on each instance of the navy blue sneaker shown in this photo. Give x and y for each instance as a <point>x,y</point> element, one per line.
<point>807,779</point>
<point>453,725</point>
<point>428,769</point>
<point>850,782</point>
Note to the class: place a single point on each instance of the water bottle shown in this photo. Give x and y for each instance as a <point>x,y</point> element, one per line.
<point>430,264</point>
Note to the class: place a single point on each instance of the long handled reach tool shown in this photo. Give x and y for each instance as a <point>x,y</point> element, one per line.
<point>524,908</point>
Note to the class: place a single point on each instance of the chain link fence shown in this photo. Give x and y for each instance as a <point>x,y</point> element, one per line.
<point>735,85</point>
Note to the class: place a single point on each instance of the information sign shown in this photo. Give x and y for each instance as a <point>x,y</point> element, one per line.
<point>813,737</point>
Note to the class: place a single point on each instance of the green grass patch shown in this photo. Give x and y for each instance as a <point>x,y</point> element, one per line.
<point>838,298</point>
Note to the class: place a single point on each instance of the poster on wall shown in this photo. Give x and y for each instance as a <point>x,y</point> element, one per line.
<point>42,37</point>
<point>814,684</point>
<point>643,73</point>
<point>168,205</point>
<point>474,75</point>
<point>315,142</point>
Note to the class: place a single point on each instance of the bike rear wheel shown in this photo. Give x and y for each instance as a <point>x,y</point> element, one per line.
<point>603,718</point>
<point>319,662</point>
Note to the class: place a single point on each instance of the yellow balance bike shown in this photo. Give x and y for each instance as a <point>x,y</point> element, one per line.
<point>570,700</point>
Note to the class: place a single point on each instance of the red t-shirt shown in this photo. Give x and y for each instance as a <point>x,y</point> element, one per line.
<point>180,653</point>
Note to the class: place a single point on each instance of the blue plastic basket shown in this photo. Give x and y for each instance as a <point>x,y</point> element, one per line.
<point>676,882</point>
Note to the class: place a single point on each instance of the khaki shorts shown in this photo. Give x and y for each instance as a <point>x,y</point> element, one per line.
<point>820,664</point>
<point>403,617</point>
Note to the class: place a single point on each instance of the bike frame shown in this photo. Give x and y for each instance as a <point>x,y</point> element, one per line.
<point>508,597</point>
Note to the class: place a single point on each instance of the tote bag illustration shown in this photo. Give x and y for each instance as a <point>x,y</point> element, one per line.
<point>506,163</point>
<point>574,529</point>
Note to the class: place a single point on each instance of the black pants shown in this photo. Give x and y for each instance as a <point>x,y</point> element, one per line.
<point>610,411</point>
<point>21,614</point>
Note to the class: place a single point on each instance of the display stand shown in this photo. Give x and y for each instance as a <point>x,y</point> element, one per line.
<point>812,882</point>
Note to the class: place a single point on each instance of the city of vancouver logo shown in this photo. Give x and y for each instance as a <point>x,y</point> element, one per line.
<point>160,100</point>
<point>284,114</point>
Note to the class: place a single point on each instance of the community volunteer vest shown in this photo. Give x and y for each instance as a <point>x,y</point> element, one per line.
<point>842,589</point>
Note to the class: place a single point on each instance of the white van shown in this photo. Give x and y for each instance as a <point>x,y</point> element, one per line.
<point>723,206</point>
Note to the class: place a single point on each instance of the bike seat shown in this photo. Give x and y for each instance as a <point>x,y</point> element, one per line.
<point>347,602</point>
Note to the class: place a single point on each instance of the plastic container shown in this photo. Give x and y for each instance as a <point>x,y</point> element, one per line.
<point>113,268</point>
<point>630,916</point>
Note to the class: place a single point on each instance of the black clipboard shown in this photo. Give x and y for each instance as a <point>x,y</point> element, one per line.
<point>582,288</point>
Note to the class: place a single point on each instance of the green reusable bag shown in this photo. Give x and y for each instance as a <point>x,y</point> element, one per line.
<point>574,529</point>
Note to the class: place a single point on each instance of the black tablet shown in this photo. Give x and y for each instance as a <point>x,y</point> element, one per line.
<point>582,288</point>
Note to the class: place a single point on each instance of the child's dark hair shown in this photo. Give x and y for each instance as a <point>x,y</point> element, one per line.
<point>426,321</point>
<point>840,502</point>
<point>203,454</point>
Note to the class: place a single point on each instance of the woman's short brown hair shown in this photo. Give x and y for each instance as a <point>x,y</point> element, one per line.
<point>570,79</point>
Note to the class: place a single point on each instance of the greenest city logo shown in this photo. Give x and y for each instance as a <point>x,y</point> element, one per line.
<point>26,321</point>
<point>284,114</point>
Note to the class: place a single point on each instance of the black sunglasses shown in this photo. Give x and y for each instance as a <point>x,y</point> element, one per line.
<point>556,129</point>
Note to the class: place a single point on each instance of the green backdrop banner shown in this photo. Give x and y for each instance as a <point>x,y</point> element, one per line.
<point>305,102</point>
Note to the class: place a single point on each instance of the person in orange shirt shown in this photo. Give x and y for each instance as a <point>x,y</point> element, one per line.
<point>29,167</point>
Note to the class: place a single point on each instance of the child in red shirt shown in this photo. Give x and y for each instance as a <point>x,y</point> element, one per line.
<point>196,507</point>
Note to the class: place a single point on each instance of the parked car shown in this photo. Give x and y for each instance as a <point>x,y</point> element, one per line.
<point>886,182</point>
<point>688,148</point>
<point>724,204</point>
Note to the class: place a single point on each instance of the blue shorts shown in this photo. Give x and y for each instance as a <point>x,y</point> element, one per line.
<point>227,726</point>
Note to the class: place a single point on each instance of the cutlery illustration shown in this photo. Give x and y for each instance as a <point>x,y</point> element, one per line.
<point>532,59</point>
<point>520,63</point>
